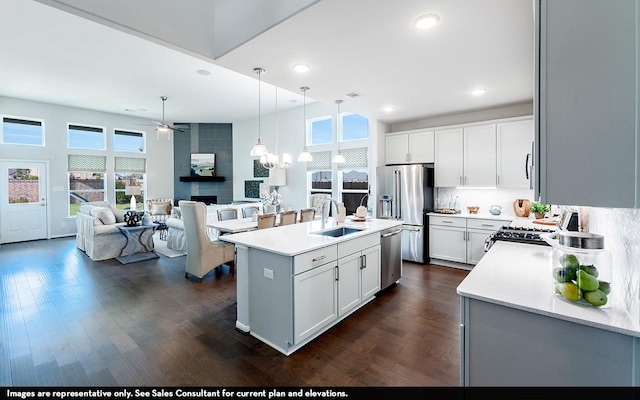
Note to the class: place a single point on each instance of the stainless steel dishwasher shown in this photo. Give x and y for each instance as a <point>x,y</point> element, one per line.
<point>390,256</point>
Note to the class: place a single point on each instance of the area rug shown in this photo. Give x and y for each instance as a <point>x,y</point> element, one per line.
<point>161,247</point>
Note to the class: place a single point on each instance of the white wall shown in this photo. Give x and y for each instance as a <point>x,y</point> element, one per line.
<point>56,117</point>
<point>291,140</point>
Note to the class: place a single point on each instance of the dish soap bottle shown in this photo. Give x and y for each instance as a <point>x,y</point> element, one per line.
<point>456,205</point>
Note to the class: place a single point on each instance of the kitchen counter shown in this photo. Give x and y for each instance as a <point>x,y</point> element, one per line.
<point>481,215</point>
<point>294,239</point>
<point>516,332</point>
<point>293,283</point>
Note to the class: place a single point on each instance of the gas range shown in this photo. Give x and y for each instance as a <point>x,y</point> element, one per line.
<point>517,234</point>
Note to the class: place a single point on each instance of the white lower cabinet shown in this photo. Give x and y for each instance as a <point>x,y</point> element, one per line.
<point>460,239</point>
<point>293,299</point>
<point>315,300</point>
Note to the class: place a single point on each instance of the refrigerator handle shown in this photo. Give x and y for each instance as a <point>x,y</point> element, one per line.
<point>398,193</point>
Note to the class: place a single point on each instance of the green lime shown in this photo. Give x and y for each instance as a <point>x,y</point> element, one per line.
<point>569,261</point>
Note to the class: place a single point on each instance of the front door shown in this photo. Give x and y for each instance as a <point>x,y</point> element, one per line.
<point>23,201</point>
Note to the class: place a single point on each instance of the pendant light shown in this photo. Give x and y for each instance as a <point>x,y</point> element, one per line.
<point>259,149</point>
<point>271,160</point>
<point>304,156</point>
<point>338,158</point>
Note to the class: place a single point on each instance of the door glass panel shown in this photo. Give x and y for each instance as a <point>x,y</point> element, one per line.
<point>23,185</point>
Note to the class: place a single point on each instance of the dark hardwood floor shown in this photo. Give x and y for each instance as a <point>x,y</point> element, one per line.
<point>68,321</point>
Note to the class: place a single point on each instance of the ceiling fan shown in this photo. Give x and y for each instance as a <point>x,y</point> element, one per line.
<point>162,127</point>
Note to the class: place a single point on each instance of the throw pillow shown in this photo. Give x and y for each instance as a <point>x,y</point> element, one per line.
<point>104,214</point>
<point>86,208</point>
<point>119,214</point>
<point>160,208</point>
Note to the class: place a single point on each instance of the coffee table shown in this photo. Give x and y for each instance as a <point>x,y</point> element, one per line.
<point>129,232</point>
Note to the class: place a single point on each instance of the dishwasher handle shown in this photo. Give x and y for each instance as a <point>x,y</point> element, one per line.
<point>384,235</point>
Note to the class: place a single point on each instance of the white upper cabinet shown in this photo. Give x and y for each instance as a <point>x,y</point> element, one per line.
<point>449,168</point>
<point>466,156</point>
<point>587,67</point>
<point>514,162</point>
<point>409,148</point>
<point>480,156</point>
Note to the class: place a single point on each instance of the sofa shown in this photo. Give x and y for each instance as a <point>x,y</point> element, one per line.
<point>175,226</point>
<point>97,232</point>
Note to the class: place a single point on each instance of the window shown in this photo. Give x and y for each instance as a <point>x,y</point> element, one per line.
<point>127,141</point>
<point>22,131</point>
<point>86,180</point>
<point>129,172</point>
<point>23,185</point>
<point>354,127</point>
<point>321,182</point>
<point>86,137</point>
<point>355,185</point>
<point>320,131</point>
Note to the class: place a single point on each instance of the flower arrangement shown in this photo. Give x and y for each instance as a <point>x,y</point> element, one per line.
<point>271,199</point>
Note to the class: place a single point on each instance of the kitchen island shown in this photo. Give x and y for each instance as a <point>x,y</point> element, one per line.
<point>296,281</point>
<point>516,332</point>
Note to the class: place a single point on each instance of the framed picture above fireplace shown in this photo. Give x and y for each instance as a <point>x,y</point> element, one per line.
<point>203,164</point>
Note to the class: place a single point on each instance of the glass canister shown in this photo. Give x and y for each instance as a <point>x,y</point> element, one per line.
<point>581,269</point>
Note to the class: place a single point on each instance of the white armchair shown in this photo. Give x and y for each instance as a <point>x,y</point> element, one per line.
<point>203,255</point>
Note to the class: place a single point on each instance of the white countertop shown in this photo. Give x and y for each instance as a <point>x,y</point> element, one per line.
<point>485,215</point>
<point>519,276</point>
<point>290,240</point>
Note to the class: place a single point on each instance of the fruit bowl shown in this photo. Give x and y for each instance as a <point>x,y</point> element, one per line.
<point>473,209</point>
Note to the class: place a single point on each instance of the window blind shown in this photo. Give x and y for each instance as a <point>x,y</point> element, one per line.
<point>130,164</point>
<point>83,162</point>
<point>354,158</point>
<point>321,161</point>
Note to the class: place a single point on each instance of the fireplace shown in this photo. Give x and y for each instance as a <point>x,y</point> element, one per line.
<point>205,199</point>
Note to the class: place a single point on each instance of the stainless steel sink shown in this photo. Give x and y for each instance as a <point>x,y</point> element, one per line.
<point>337,232</point>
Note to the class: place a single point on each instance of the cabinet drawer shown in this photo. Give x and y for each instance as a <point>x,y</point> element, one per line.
<point>315,258</point>
<point>487,224</point>
<point>448,221</point>
<point>357,244</point>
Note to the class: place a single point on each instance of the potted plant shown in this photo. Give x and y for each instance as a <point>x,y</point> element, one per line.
<point>271,201</point>
<point>539,209</point>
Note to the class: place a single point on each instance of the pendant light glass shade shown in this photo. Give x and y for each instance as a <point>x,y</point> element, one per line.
<point>338,158</point>
<point>259,149</point>
<point>304,156</point>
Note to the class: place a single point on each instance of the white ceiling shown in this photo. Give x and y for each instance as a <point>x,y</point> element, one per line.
<point>363,46</point>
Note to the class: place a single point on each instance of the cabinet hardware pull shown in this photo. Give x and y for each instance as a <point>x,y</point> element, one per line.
<point>526,166</point>
<point>364,261</point>
<point>491,225</point>
<point>447,222</point>
<point>337,273</point>
<point>319,258</point>
<point>461,180</point>
<point>392,233</point>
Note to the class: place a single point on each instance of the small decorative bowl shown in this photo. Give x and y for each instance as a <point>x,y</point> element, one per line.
<point>473,209</point>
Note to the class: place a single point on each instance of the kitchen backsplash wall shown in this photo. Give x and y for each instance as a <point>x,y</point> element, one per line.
<point>483,198</point>
<point>621,230</point>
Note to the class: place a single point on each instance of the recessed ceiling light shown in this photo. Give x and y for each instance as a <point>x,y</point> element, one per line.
<point>300,67</point>
<point>478,92</point>
<point>388,108</point>
<point>426,21</point>
<point>203,72</point>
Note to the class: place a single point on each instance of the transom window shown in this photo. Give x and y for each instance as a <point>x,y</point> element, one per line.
<point>22,131</point>
<point>128,141</point>
<point>320,130</point>
<point>354,127</point>
<point>86,137</point>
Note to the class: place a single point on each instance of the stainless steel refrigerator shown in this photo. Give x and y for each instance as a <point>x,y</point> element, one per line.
<point>406,193</point>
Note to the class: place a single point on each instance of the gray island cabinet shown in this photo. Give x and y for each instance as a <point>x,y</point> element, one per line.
<point>294,283</point>
<point>515,332</point>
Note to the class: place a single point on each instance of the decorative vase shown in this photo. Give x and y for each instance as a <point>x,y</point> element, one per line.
<point>522,207</point>
<point>271,209</point>
<point>131,218</point>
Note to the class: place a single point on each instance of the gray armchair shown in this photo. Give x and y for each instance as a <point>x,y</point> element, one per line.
<point>203,255</point>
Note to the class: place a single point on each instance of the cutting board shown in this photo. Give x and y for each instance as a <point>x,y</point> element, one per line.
<point>544,222</point>
<point>522,207</point>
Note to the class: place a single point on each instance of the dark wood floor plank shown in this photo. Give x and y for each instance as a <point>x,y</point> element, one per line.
<point>66,320</point>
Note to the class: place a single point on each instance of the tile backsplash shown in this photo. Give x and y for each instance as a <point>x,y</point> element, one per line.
<point>484,198</point>
<point>621,230</point>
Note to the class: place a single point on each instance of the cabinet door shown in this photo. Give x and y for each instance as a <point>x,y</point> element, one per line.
<point>514,141</point>
<point>315,300</point>
<point>421,147</point>
<point>480,156</point>
<point>396,149</point>
<point>348,283</point>
<point>448,157</point>
<point>370,272</point>
<point>447,243</point>
<point>475,244</point>
<point>588,96</point>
